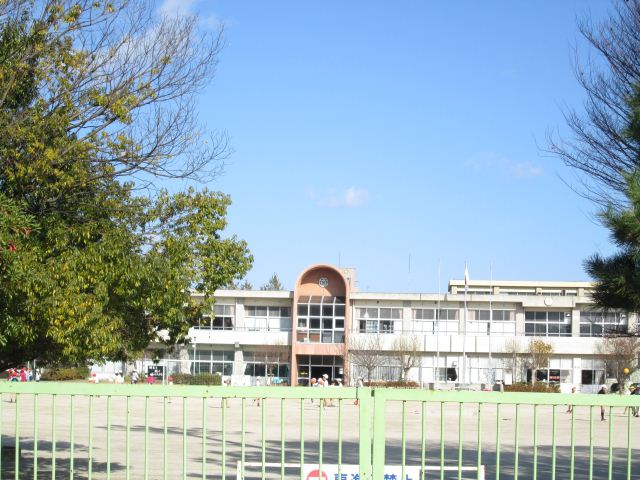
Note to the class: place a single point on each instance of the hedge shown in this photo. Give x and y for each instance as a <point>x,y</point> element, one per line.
<point>65,373</point>
<point>197,379</point>
<point>538,387</point>
<point>393,384</point>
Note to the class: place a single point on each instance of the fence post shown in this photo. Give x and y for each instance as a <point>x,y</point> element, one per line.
<point>365,410</point>
<point>379,433</point>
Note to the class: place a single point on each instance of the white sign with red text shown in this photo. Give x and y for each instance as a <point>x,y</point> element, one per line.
<point>352,472</point>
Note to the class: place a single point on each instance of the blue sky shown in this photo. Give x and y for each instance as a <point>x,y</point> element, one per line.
<point>396,136</point>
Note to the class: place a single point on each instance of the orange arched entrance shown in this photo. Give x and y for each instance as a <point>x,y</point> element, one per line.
<point>321,322</point>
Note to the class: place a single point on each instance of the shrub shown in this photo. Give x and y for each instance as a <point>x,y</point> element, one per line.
<point>197,379</point>
<point>142,378</point>
<point>65,373</point>
<point>394,384</point>
<point>538,387</point>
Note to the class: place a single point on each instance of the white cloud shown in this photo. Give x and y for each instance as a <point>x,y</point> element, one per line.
<point>177,8</point>
<point>487,161</point>
<point>351,197</point>
<point>184,8</point>
<point>526,169</point>
<point>355,197</point>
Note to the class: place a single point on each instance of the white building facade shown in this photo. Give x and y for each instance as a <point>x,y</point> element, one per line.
<point>474,334</point>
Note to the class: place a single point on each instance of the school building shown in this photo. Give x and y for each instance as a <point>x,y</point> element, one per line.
<point>475,333</point>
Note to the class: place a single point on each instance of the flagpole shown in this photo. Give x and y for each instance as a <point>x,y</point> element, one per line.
<point>437,317</point>
<point>464,330</point>
<point>492,369</point>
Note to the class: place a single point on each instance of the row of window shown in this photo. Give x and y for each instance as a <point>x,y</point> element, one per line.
<point>383,319</point>
<point>275,363</point>
<point>599,323</point>
<point>318,322</point>
<point>254,369</point>
<point>547,324</point>
<point>320,336</point>
<point>321,310</point>
<point>267,312</point>
<point>257,363</point>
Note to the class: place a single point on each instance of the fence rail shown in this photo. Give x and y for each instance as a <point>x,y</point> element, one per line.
<point>83,430</point>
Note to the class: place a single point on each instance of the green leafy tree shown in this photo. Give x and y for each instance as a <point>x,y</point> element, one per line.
<point>618,276</point>
<point>96,104</point>
<point>237,285</point>
<point>273,284</point>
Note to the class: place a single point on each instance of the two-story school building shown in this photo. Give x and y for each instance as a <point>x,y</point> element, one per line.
<point>475,333</point>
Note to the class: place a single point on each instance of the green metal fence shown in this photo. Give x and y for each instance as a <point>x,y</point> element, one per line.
<point>82,430</point>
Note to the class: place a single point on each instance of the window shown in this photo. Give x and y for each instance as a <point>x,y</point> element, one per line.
<point>204,324</point>
<point>492,322</point>
<point>440,368</point>
<point>205,360</point>
<point>431,320</point>
<point>505,291</point>
<point>273,364</point>
<point>593,371</point>
<point>592,377</point>
<point>547,324</point>
<point>223,319</point>
<point>597,323</point>
<point>479,291</point>
<point>552,293</point>
<point>551,375</point>
<point>378,319</point>
<point>263,318</point>
<point>321,319</point>
<point>483,370</point>
<point>275,312</point>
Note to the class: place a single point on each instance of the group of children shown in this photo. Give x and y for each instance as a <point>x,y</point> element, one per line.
<point>324,382</point>
<point>23,374</point>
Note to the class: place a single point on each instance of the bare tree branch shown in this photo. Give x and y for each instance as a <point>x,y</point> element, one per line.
<point>365,351</point>
<point>406,349</point>
<point>127,78</point>
<point>600,150</point>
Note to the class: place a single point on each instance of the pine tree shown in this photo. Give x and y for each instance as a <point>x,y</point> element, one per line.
<point>273,284</point>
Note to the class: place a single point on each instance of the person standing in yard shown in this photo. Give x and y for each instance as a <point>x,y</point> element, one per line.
<point>313,383</point>
<point>359,384</point>
<point>225,401</point>
<point>636,410</point>
<point>134,377</point>
<point>602,391</point>
<point>258,384</point>
<point>570,406</point>
<point>325,383</point>
<point>626,390</point>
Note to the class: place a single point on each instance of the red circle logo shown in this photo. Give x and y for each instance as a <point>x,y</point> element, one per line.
<point>315,474</point>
